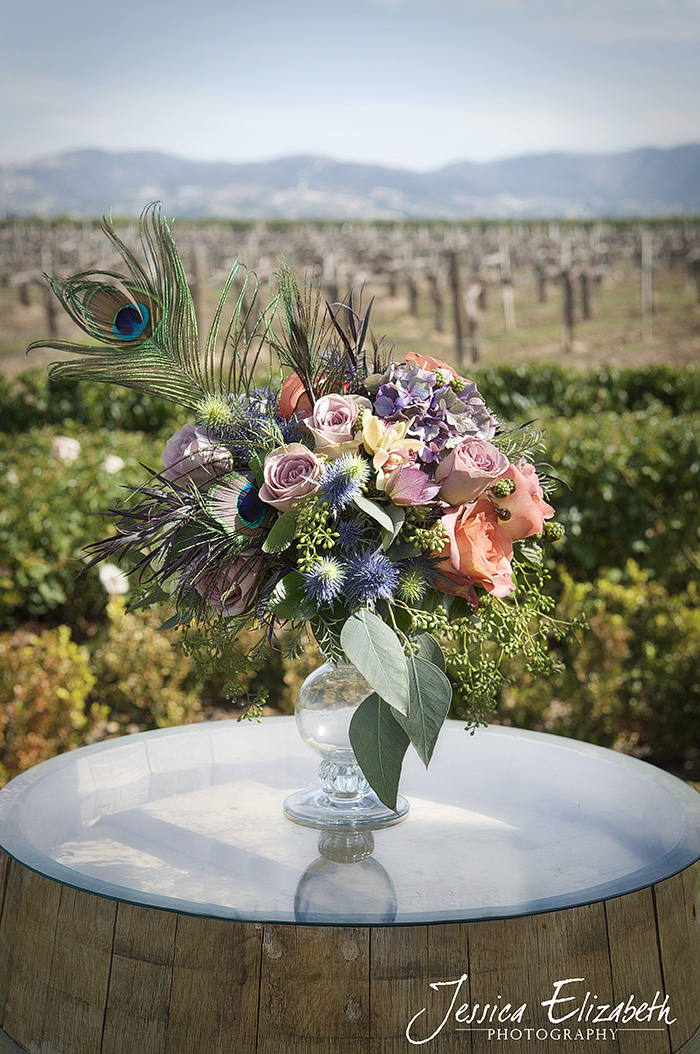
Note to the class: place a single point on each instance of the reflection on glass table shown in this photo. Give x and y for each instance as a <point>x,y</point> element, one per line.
<point>504,823</point>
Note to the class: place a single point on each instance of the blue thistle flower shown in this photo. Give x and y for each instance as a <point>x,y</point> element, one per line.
<point>351,534</point>
<point>342,480</point>
<point>371,577</point>
<point>325,580</point>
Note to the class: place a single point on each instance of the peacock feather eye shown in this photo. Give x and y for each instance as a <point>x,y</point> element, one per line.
<point>234,502</point>
<point>131,322</point>
<point>250,508</point>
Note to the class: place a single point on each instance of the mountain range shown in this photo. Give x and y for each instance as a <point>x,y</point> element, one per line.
<point>645,183</point>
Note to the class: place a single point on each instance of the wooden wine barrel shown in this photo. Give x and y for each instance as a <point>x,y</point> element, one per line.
<point>154,899</point>
<point>83,974</point>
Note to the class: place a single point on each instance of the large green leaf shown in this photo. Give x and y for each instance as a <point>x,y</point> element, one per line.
<point>379,744</point>
<point>375,649</point>
<point>397,515</point>
<point>281,534</point>
<point>377,512</point>
<point>289,601</point>
<point>428,648</point>
<point>431,695</point>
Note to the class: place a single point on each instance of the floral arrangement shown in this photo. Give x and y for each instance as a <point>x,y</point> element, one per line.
<point>370,500</point>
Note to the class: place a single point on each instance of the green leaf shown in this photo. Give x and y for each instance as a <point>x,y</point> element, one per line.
<point>289,601</point>
<point>376,651</point>
<point>379,744</point>
<point>256,467</point>
<point>431,695</point>
<point>174,620</point>
<point>281,534</point>
<point>155,596</point>
<point>531,552</point>
<point>428,648</point>
<point>397,516</point>
<point>376,512</point>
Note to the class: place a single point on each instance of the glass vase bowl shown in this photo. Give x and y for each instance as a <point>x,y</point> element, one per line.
<point>324,707</point>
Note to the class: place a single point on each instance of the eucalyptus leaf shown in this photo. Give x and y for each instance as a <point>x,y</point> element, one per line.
<point>281,534</point>
<point>431,695</point>
<point>376,651</point>
<point>373,647</point>
<point>397,516</point>
<point>376,512</point>
<point>428,648</point>
<point>379,744</point>
<point>288,599</point>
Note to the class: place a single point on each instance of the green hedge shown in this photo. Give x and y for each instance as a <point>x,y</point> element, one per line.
<point>51,508</point>
<point>632,680</point>
<point>514,392</point>
<point>35,400</point>
<point>631,490</point>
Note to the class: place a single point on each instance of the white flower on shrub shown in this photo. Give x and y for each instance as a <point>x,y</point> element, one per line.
<point>113,579</point>
<point>112,464</point>
<point>63,448</point>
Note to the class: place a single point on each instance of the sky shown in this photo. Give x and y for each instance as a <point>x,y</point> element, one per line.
<point>414,84</point>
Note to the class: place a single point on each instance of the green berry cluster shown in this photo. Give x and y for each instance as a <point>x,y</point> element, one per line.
<point>502,488</point>
<point>553,530</point>
<point>428,539</point>
<point>314,534</point>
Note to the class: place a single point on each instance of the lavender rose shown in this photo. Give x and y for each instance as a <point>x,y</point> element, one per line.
<point>233,590</point>
<point>192,456</point>
<point>332,423</point>
<point>290,476</point>
<point>468,469</point>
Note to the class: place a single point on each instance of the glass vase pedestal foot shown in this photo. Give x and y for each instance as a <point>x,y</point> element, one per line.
<point>325,706</point>
<point>344,799</point>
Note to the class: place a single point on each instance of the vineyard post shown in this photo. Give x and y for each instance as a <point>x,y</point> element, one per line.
<point>567,327</point>
<point>646,263</point>
<point>459,312</point>
<point>49,298</point>
<point>507,284</point>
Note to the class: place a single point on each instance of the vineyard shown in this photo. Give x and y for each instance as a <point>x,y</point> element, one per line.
<point>617,294</point>
<point>593,330</point>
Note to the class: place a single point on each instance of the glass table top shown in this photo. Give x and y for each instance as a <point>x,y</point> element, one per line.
<point>505,822</point>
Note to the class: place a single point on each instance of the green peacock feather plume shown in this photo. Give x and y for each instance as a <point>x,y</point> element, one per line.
<point>147,329</point>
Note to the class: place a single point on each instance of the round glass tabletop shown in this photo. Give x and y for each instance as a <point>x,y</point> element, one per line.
<point>505,822</point>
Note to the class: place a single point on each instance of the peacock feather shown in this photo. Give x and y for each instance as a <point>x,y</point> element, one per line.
<point>145,323</point>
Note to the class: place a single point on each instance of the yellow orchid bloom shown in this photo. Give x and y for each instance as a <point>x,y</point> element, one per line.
<point>388,445</point>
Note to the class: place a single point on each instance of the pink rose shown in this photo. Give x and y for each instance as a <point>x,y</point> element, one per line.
<point>191,456</point>
<point>293,397</point>
<point>290,474</point>
<point>332,423</point>
<point>233,590</point>
<point>526,505</point>
<point>479,551</point>
<point>468,470</point>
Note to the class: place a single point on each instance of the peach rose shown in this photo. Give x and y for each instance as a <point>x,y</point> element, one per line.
<point>293,397</point>
<point>526,505</point>
<point>478,553</point>
<point>427,362</point>
<point>468,469</point>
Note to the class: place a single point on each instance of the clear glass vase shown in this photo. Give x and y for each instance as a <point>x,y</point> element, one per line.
<point>326,702</point>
